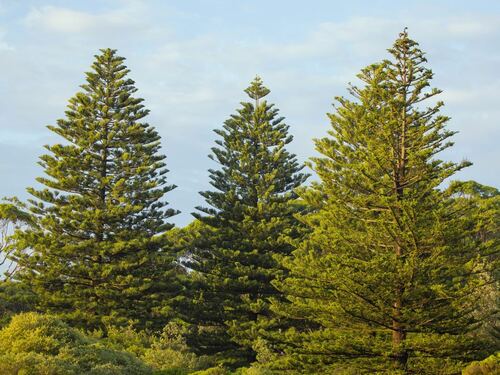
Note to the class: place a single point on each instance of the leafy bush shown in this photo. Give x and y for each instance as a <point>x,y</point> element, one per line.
<point>167,353</point>
<point>241,371</point>
<point>34,344</point>
<point>255,371</point>
<point>212,371</point>
<point>125,339</point>
<point>489,366</point>
<point>170,350</point>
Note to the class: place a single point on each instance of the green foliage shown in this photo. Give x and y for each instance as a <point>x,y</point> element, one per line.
<point>254,370</point>
<point>249,221</point>
<point>166,353</point>
<point>13,216</point>
<point>100,253</point>
<point>489,366</point>
<point>40,344</point>
<point>14,211</point>
<point>481,205</point>
<point>15,298</point>
<point>212,371</point>
<point>125,339</point>
<point>169,350</point>
<point>388,271</point>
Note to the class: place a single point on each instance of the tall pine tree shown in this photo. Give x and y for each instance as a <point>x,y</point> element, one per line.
<point>99,253</point>
<point>388,272</point>
<point>249,222</point>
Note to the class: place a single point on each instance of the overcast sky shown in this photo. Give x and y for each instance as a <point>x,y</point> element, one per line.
<point>191,61</point>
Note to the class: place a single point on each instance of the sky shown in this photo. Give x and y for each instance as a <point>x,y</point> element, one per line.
<point>191,61</point>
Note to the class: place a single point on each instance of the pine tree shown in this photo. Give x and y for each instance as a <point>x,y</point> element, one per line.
<point>388,270</point>
<point>99,253</point>
<point>248,223</point>
<point>481,205</point>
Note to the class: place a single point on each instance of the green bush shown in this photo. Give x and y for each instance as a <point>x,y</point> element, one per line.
<point>255,371</point>
<point>125,339</point>
<point>34,344</point>
<point>489,366</point>
<point>170,350</point>
<point>166,354</point>
<point>212,371</point>
<point>172,371</point>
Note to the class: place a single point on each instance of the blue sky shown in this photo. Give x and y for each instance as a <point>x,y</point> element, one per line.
<point>191,61</point>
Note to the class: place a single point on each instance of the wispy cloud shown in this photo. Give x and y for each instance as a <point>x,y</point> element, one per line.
<point>67,20</point>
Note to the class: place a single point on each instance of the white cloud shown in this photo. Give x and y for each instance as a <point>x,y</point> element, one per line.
<point>66,20</point>
<point>60,19</point>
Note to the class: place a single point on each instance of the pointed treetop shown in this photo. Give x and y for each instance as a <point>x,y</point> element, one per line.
<point>257,90</point>
<point>108,54</point>
<point>404,42</point>
<point>108,51</point>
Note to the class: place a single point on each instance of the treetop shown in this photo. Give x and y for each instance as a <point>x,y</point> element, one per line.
<point>257,90</point>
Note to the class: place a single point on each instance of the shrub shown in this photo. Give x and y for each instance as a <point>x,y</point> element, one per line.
<point>255,371</point>
<point>212,371</point>
<point>489,366</point>
<point>167,353</point>
<point>170,350</point>
<point>34,344</point>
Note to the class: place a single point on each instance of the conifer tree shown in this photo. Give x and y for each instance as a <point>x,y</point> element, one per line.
<point>99,252</point>
<point>248,223</point>
<point>388,272</point>
<point>481,204</point>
